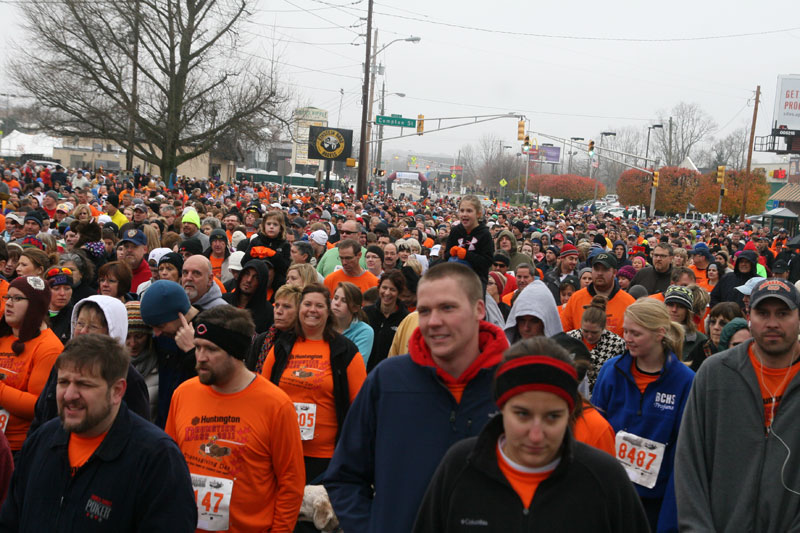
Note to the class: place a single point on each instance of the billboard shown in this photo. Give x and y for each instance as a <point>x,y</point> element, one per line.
<point>334,144</point>
<point>786,118</point>
<point>547,154</point>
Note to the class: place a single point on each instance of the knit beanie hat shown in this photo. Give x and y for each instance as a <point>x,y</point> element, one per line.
<point>568,249</point>
<point>554,249</point>
<point>192,217</point>
<point>135,322</point>
<point>162,302</point>
<point>729,331</point>
<point>679,295</point>
<point>172,258</point>
<point>218,234</point>
<point>626,272</point>
<point>38,294</point>
<point>58,276</point>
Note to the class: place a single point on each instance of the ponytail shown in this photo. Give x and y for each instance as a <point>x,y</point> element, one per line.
<point>673,339</point>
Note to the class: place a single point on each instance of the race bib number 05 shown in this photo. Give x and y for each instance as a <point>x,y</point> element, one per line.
<point>306,419</point>
<point>640,457</point>
<point>213,498</point>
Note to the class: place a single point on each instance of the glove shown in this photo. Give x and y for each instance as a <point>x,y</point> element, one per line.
<point>454,251</point>
<point>269,251</point>
<point>316,508</point>
<point>461,252</point>
<point>261,252</point>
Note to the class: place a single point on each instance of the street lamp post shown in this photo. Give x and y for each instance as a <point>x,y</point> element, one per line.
<point>591,165</point>
<point>647,153</point>
<point>366,101</point>
<point>569,166</point>
<point>380,128</point>
<point>647,147</point>
<point>503,148</point>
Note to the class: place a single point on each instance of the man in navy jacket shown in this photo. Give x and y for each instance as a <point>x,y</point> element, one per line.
<point>412,408</point>
<point>99,467</point>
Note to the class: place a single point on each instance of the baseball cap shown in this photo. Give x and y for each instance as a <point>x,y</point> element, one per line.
<point>748,287</point>
<point>136,236</point>
<point>605,259</point>
<point>775,288</point>
<point>235,261</point>
<point>780,266</point>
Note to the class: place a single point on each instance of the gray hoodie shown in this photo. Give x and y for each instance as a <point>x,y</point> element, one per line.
<point>534,300</point>
<point>212,298</point>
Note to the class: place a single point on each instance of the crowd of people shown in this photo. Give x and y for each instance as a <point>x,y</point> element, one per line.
<point>250,357</point>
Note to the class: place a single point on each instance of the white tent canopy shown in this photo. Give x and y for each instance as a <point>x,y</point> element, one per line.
<point>17,143</point>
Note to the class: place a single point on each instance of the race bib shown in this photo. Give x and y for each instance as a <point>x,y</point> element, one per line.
<point>4,416</point>
<point>306,419</point>
<point>213,498</point>
<point>640,457</point>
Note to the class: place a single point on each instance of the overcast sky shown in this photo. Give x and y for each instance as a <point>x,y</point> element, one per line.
<point>474,59</point>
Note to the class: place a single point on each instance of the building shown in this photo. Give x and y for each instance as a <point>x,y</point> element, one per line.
<point>303,118</point>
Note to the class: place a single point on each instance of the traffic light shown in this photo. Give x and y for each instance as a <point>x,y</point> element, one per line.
<point>591,148</point>
<point>350,162</point>
<point>520,130</point>
<point>655,179</point>
<point>721,174</point>
<point>526,145</point>
<point>420,124</point>
<point>381,172</point>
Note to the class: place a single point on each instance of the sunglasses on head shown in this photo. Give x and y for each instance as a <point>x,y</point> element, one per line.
<point>56,270</point>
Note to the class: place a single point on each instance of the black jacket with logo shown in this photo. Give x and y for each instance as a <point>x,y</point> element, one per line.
<point>136,480</point>
<point>588,491</point>
<point>385,328</point>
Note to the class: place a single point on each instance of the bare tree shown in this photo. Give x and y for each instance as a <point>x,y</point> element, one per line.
<point>164,79</point>
<point>628,139</point>
<point>690,127</point>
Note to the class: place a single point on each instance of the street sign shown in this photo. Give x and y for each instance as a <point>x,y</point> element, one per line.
<point>503,182</point>
<point>396,116</point>
<point>772,204</point>
<point>396,121</point>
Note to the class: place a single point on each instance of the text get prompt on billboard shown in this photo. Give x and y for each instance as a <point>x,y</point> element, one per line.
<point>786,120</point>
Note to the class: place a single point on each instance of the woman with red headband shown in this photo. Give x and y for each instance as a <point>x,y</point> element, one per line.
<point>525,470</point>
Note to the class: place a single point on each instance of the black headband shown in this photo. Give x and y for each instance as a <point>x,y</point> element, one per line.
<point>236,344</point>
<point>536,372</point>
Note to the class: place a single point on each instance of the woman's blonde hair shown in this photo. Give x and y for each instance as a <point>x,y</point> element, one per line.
<point>307,273</point>
<point>652,315</point>
<point>153,237</point>
<point>79,209</point>
<point>414,245</point>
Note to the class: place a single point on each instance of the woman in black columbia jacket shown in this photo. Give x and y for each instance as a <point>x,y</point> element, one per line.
<point>577,487</point>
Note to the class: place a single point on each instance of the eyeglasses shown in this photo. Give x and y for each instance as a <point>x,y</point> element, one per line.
<point>93,328</point>
<point>15,299</point>
<point>345,232</point>
<point>660,256</point>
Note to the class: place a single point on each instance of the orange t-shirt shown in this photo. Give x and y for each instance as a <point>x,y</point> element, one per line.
<point>308,379</point>
<point>216,265</point>
<point>523,482</point>
<point>456,389</point>
<point>81,449</point>
<point>26,375</point>
<point>700,276</point>
<point>615,309</point>
<point>643,379</point>
<point>773,383</point>
<point>365,281</point>
<point>224,436</point>
<point>593,429</point>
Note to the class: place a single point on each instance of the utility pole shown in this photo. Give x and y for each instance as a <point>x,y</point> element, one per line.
<point>380,128</point>
<point>341,98</point>
<point>373,73</point>
<point>750,151</point>
<point>669,153</point>
<point>363,156</point>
